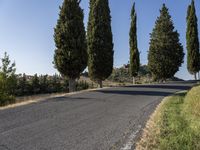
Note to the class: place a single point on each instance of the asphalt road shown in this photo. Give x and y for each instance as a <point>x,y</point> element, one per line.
<point>98,120</point>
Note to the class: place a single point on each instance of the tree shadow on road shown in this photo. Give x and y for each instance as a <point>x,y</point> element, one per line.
<point>163,86</point>
<point>138,93</point>
<point>149,90</point>
<point>65,99</point>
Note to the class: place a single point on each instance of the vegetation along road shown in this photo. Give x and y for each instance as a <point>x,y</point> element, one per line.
<point>98,120</point>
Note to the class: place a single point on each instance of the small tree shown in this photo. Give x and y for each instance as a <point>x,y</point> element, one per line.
<point>193,58</point>
<point>70,57</point>
<point>134,53</point>
<point>165,52</point>
<point>100,41</point>
<point>7,80</point>
<point>7,72</point>
<point>44,83</point>
<point>55,84</point>
<point>22,86</point>
<point>35,85</point>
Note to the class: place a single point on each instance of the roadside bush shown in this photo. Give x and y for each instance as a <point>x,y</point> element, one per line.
<point>23,86</point>
<point>44,84</point>
<point>6,99</point>
<point>82,85</point>
<point>122,75</point>
<point>35,85</point>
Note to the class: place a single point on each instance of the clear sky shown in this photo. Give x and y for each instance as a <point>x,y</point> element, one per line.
<point>26,30</point>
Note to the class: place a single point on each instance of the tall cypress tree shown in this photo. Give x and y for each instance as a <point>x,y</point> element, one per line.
<point>70,57</point>
<point>193,58</point>
<point>134,53</point>
<point>100,41</point>
<point>165,52</point>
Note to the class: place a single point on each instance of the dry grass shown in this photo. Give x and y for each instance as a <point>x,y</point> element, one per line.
<point>150,134</point>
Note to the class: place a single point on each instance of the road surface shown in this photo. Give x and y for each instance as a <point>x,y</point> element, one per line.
<point>98,120</point>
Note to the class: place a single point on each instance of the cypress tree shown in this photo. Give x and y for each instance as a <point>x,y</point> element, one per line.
<point>70,57</point>
<point>134,53</point>
<point>100,41</point>
<point>193,58</point>
<point>165,52</point>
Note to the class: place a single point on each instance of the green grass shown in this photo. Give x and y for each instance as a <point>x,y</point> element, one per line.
<point>175,125</point>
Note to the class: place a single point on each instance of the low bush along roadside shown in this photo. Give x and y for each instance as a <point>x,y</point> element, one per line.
<point>175,125</point>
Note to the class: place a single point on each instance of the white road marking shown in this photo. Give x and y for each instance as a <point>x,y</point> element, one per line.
<point>130,140</point>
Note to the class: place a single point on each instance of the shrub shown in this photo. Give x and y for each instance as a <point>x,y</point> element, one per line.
<point>82,85</point>
<point>6,99</point>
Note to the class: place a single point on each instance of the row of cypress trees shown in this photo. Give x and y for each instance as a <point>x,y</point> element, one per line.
<point>166,52</point>
<point>74,52</point>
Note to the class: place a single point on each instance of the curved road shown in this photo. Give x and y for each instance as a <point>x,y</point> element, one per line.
<point>99,120</point>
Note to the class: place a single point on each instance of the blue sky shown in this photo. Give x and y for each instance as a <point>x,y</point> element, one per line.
<point>26,30</point>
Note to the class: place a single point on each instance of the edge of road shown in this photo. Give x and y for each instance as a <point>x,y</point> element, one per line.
<point>21,101</point>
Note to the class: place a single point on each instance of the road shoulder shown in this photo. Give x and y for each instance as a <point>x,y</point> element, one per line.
<point>26,100</point>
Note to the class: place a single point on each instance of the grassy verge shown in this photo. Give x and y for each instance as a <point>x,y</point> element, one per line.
<point>175,125</point>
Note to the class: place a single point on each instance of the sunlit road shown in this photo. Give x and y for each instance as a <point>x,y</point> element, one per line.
<point>98,120</point>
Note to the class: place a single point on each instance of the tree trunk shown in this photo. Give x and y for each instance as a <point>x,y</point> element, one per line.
<point>100,84</point>
<point>72,85</point>
<point>198,75</point>
<point>133,80</point>
<point>195,76</point>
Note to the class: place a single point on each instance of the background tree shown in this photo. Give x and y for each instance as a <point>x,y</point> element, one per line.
<point>134,53</point>
<point>55,84</point>
<point>35,84</point>
<point>70,57</point>
<point>165,52</point>
<point>44,83</point>
<point>100,41</point>
<point>23,87</point>
<point>193,56</point>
